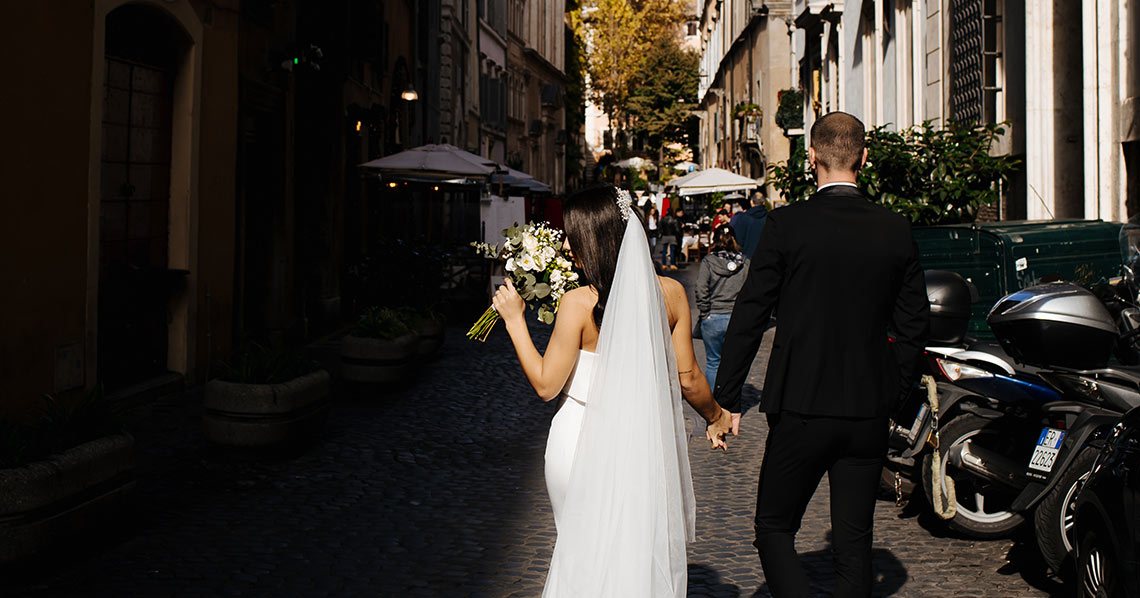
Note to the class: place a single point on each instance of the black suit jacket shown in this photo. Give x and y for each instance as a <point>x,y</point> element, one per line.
<point>844,272</point>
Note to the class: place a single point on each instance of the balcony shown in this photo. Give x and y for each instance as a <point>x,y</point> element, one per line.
<point>750,131</point>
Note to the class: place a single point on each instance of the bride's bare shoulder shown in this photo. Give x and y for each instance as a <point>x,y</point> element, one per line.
<point>671,286</point>
<point>673,290</point>
<point>584,297</point>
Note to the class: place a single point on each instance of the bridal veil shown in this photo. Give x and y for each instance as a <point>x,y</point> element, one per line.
<point>629,508</point>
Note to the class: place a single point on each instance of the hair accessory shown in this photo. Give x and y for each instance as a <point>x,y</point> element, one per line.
<point>625,203</point>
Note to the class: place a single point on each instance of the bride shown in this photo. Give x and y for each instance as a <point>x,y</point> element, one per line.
<point>619,360</point>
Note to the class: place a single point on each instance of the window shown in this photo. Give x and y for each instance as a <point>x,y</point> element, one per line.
<point>976,61</point>
<point>691,28</point>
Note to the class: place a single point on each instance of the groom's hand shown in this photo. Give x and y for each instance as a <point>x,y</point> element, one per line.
<point>718,429</point>
<point>736,424</point>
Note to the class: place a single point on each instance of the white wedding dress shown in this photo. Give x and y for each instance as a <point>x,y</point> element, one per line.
<point>617,465</point>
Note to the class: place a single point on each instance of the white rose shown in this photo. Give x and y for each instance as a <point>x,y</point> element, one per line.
<point>556,277</point>
<point>526,262</point>
<point>510,264</point>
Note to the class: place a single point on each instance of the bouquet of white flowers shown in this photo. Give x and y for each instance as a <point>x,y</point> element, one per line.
<point>536,265</point>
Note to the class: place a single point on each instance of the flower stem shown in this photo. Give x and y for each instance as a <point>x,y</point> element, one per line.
<point>482,327</point>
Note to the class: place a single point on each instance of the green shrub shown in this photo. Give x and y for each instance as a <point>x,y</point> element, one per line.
<point>383,323</point>
<point>258,364</point>
<point>59,426</point>
<point>930,175</point>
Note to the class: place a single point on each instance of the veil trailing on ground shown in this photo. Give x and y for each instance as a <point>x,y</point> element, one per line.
<point>629,509</point>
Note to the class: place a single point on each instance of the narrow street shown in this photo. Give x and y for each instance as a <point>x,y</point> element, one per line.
<point>437,490</point>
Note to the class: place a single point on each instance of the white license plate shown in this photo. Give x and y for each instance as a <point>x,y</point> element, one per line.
<point>1048,445</point>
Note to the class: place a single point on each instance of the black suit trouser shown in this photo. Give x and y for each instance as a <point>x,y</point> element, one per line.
<point>799,451</point>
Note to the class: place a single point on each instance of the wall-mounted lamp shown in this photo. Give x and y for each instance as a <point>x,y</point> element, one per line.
<point>409,94</point>
<point>393,184</point>
<point>357,126</point>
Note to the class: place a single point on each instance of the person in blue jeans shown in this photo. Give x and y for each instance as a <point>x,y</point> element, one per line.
<point>719,281</point>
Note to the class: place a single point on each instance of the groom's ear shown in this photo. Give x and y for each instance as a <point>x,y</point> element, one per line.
<point>811,157</point>
<point>863,161</point>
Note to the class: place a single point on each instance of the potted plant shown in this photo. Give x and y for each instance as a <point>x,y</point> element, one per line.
<point>748,110</point>
<point>265,398</point>
<point>61,474</point>
<point>380,349</point>
<point>428,326</point>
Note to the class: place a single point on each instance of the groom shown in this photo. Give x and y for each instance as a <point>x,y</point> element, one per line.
<point>843,271</point>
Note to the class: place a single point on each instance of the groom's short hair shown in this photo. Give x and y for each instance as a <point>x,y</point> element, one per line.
<point>838,141</point>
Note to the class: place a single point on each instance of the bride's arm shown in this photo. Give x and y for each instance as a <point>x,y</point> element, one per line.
<point>546,373</point>
<point>694,386</point>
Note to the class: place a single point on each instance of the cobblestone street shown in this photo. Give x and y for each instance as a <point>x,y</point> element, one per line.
<point>437,490</point>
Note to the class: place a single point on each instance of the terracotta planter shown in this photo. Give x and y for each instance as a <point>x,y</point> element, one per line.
<point>265,415</point>
<point>377,361</point>
<point>64,495</point>
<point>430,338</point>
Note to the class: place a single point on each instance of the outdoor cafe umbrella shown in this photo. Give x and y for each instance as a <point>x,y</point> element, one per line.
<point>712,180</point>
<point>433,162</point>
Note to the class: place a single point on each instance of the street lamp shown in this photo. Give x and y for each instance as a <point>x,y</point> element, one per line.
<point>410,94</point>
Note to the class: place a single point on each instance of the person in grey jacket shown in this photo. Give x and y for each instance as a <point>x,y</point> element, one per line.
<point>719,281</point>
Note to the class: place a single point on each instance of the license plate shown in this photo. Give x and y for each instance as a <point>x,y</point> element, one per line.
<point>1048,445</point>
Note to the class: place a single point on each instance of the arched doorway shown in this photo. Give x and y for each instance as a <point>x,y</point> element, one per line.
<point>144,49</point>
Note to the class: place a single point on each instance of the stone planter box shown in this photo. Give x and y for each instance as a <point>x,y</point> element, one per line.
<point>430,338</point>
<point>45,502</point>
<point>378,361</point>
<point>265,415</point>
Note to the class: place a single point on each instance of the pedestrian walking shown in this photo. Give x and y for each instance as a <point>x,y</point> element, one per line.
<point>651,229</point>
<point>670,229</point>
<point>719,281</point>
<point>748,224</point>
<point>833,379</point>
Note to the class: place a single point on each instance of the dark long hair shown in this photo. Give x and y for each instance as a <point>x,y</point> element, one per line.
<point>595,229</point>
<point>724,240</point>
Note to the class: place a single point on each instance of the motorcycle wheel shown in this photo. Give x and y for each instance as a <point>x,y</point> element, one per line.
<point>1053,519</point>
<point>1098,571</point>
<point>982,506</point>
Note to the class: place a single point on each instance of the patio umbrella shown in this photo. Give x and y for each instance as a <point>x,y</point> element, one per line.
<point>686,166</point>
<point>635,162</point>
<point>434,162</point>
<point>681,179</point>
<point>712,180</point>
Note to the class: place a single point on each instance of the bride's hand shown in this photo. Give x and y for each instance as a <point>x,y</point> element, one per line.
<point>508,302</point>
<point>718,429</point>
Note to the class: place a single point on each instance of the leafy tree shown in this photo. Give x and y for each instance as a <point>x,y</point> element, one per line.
<point>930,175</point>
<point>619,34</point>
<point>661,95</point>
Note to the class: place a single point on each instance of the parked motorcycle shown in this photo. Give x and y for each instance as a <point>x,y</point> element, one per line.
<point>969,440</point>
<point>1071,334</point>
<point>1106,528</point>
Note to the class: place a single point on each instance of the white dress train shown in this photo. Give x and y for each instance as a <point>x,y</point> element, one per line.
<point>617,464</point>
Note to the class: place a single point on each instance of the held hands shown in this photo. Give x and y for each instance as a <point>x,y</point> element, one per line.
<point>718,429</point>
<point>508,302</point>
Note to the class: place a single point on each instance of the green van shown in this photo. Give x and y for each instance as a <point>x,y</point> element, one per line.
<point>1003,257</point>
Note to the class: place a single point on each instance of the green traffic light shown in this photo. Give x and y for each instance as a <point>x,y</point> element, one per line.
<point>296,60</point>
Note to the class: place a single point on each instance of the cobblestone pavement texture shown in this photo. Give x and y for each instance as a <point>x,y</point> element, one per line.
<point>437,489</point>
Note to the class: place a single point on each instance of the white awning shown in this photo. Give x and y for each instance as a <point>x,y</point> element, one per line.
<point>713,180</point>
